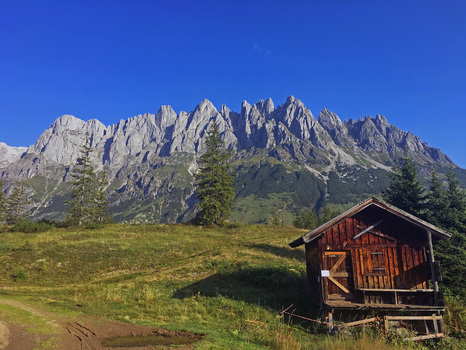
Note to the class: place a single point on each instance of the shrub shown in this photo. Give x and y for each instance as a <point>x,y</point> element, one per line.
<point>19,274</point>
<point>30,227</point>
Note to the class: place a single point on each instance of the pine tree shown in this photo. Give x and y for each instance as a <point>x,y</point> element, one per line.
<point>17,205</point>
<point>437,202</point>
<point>101,199</point>
<point>312,219</point>
<point>456,196</point>
<point>215,192</point>
<point>2,204</point>
<point>88,203</point>
<point>405,190</point>
<point>447,209</point>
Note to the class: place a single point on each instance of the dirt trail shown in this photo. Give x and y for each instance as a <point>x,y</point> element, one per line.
<point>84,332</point>
<point>4,335</point>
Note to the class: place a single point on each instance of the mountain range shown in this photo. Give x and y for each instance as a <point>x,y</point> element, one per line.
<point>285,160</point>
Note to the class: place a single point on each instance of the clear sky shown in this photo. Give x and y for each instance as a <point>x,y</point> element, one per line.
<point>112,60</point>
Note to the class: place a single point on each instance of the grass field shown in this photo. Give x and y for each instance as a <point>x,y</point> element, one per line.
<point>228,283</point>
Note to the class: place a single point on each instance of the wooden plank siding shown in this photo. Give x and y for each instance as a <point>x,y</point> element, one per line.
<point>386,267</point>
<point>380,257</point>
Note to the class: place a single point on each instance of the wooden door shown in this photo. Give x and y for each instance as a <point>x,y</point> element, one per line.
<point>339,282</point>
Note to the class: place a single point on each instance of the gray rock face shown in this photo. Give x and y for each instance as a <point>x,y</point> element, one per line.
<point>135,151</point>
<point>260,125</point>
<point>10,154</point>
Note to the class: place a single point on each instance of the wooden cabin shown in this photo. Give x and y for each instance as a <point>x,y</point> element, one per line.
<point>374,257</point>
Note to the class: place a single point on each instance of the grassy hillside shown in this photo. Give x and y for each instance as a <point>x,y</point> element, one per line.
<point>228,284</point>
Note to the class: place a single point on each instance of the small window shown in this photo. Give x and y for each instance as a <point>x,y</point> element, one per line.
<point>378,263</point>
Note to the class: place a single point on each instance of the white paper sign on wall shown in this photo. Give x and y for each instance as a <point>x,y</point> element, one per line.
<point>325,273</point>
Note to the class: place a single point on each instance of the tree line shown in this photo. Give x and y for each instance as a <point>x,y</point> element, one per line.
<point>88,201</point>
<point>443,204</point>
<point>87,205</point>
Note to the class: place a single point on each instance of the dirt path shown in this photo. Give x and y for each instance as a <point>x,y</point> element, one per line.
<point>88,333</point>
<point>4,335</point>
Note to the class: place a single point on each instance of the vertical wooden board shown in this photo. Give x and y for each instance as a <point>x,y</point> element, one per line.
<point>391,261</point>
<point>348,236</point>
<point>396,269</point>
<point>362,268</point>
<point>383,261</point>
<point>324,281</point>
<point>382,284</point>
<point>323,240</point>
<point>328,238</point>
<point>364,237</point>
<point>409,257</point>
<point>423,259</point>
<point>410,264</point>
<point>375,281</point>
<point>368,265</point>
<point>416,276</point>
<point>350,229</point>
<point>357,275</point>
<point>371,239</point>
<point>378,239</point>
<point>336,235</point>
<point>342,232</point>
<point>356,230</point>
<point>403,267</point>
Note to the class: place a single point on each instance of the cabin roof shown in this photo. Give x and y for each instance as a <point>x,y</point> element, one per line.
<point>372,201</point>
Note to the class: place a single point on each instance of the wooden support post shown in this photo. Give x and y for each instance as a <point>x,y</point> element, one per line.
<point>330,321</point>
<point>435,322</point>
<point>432,268</point>
<point>386,325</point>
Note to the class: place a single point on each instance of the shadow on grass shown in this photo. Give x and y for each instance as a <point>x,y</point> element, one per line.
<point>273,287</point>
<point>283,252</point>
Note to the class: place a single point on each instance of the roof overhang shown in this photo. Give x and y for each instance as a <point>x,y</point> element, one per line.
<point>317,232</point>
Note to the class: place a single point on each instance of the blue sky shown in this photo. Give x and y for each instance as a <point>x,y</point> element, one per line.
<point>111,60</point>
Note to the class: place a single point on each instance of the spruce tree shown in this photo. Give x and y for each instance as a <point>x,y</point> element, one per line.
<point>17,205</point>
<point>405,190</point>
<point>437,202</point>
<point>456,196</point>
<point>101,199</point>
<point>215,191</point>
<point>447,209</point>
<point>88,202</point>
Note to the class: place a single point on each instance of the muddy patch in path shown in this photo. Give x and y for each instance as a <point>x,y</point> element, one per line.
<point>89,333</point>
<point>85,332</point>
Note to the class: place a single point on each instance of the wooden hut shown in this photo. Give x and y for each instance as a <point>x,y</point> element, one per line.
<point>375,257</point>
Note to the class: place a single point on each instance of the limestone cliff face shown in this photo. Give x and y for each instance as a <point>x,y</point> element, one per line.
<point>260,126</point>
<point>152,157</point>
<point>10,154</point>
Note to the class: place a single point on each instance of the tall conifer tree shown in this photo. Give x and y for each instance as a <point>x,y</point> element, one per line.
<point>101,199</point>
<point>405,190</point>
<point>456,196</point>
<point>437,202</point>
<point>88,203</point>
<point>17,205</point>
<point>215,183</point>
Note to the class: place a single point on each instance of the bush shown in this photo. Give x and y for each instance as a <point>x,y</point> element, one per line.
<point>30,227</point>
<point>19,274</point>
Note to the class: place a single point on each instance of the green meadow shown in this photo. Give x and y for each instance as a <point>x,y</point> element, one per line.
<point>228,284</point>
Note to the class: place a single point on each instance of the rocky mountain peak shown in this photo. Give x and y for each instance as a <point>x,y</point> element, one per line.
<point>67,122</point>
<point>265,107</point>
<point>206,105</point>
<point>151,158</point>
<point>165,117</point>
<point>329,120</point>
<point>9,154</point>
